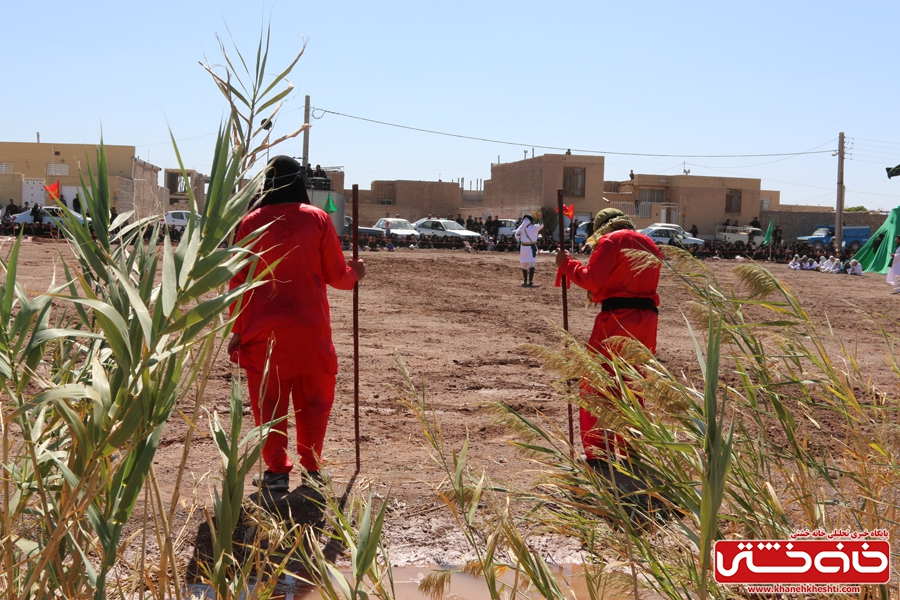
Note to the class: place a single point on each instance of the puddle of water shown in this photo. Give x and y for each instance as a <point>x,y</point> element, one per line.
<point>465,587</point>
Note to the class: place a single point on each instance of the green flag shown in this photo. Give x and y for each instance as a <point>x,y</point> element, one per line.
<point>769,231</point>
<point>329,206</point>
<point>892,172</point>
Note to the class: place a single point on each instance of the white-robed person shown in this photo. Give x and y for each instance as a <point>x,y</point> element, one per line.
<point>827,266</point>
<point>810,264</point>
<point>527,234</point>
<point>893,276</point>
<point>795,263</point>
<point>855,268</point>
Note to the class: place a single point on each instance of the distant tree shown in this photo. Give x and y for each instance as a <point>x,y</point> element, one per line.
<point>856,209</point>
<point>550,220</point>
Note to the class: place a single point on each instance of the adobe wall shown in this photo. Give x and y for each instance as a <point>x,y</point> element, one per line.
<point>523,186</point>
<point>412,200</point>
<point>514,188</point>
<point>795,224</point>
<point>554,165</point>
<point>31,159</point>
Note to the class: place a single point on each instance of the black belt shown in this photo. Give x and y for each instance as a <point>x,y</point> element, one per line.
<point>617,303</point>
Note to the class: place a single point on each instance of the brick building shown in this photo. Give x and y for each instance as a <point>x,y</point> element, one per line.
<point>411,200</point>
<point>522,186</point>
<point>26,167</point>
<point>692,200</point>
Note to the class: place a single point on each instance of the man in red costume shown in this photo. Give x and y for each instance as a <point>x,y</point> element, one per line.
<point>628,299</point>
<point>290,314</point>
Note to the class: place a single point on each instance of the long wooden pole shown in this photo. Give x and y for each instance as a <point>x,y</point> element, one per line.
<point>356,324</point>
<point>565,298</point>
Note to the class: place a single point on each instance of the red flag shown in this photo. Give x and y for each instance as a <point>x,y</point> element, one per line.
<point>568,210</point>
<point>53,190</point>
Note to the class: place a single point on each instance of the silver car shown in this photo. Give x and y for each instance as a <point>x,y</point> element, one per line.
<point>399,227</point>
<point>445,228</point>
<point>667,235</point>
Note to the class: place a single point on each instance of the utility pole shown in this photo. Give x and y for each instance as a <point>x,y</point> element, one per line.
<point>306,134</point>
<point>839,208</point>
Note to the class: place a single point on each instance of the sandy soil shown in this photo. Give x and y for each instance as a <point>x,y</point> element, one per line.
<point>457,322</point>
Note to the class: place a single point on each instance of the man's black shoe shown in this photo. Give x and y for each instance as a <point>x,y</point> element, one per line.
<point>275,482</point>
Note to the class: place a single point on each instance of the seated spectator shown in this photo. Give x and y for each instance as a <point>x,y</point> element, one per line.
<point>811,265</point>
<point>389,246</point>
<point>346,243</point>
<point>855,268</point>
<point>795,263</point>
<point>829,266</point>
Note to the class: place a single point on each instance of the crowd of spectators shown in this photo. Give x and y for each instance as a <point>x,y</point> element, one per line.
<point>485,243</point>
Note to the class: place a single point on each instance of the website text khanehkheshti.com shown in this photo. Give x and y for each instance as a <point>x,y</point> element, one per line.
<point>803,588</point>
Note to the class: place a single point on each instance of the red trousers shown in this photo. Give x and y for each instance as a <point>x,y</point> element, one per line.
<point>312,396</point>
<point>634,323</point>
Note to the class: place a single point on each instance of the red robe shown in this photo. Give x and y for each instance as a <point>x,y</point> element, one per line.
<point>292,306</point>
<point>610,273</point>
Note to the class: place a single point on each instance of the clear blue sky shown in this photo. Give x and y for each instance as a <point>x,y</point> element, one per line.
<point>679,78</point>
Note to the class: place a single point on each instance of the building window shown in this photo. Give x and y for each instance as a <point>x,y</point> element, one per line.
<point>651,195</point>
<point>732,201</point>
<point>573,182</point>
<point>765,203</point>
<point>57,169</point>
<point>5,168</point>
<point>387,201</point>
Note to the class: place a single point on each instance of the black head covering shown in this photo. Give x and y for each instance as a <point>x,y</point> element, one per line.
<point>285,181</point>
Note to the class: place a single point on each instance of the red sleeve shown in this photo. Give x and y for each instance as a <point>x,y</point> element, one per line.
<point>337,273</point>
<point>593,275</point>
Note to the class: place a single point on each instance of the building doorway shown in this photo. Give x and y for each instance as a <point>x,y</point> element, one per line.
<point>669,213</point>
<point>32,191</point>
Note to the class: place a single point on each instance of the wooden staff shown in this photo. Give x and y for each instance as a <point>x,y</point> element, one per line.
<point>562,238</point>
<point>356,323</point>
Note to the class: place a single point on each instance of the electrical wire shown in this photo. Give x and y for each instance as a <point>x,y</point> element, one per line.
<point>582,150</point>
<point>878,141</point>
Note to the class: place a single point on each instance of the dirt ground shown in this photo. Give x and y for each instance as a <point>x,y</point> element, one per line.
<point>457,321</point>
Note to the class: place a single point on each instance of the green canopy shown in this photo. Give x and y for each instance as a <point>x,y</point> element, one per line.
<point>875,255</point>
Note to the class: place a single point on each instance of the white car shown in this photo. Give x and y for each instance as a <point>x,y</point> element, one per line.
<point>446,228</point>
<point>667,235</point>
<point>399,227</point>
<point>178,219</point>
<point>677,228</point>
<point>507,227</point>
<point>52,216</point>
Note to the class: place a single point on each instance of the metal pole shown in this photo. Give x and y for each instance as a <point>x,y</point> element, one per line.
<point>839,208</point>
<point>355,320</point>
<point>565,299</point>
<point>306,141</point>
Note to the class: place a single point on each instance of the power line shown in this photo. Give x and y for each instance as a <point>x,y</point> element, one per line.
<point>543,147</point>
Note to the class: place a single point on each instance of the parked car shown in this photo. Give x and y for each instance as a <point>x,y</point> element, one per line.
<point>178,219</point>
<point>367,231</point>
<point>446,228</point>
<point>399,227</point>
<point>677,228</point>
<point>739,234</point>
<point>581,233</point>
<point>667,235</point>
<point>52,216</point>
<point>507,227</point>
<point>854,237</point>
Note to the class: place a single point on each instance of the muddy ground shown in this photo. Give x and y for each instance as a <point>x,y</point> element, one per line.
<point>457,322</point>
